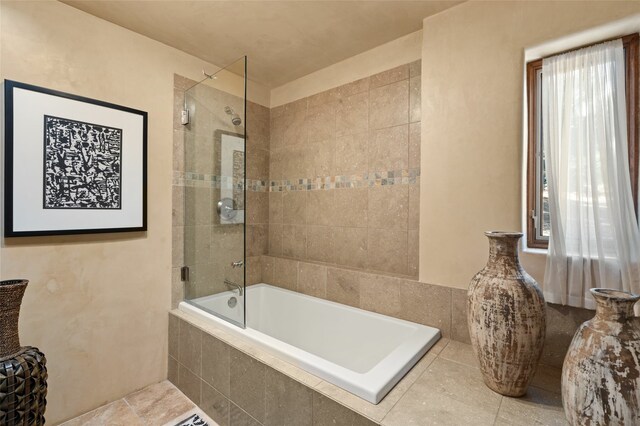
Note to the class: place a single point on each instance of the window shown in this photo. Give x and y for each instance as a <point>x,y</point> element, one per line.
<point>538,221</point>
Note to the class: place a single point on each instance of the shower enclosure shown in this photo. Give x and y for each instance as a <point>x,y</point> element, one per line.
<point>214,155</point>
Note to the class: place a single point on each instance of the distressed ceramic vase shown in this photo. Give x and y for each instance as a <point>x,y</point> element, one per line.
<point>601,371</point>
<point>23,371</point>
<point>506,317</point>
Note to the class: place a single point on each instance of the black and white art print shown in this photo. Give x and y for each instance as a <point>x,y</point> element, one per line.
<point>72,165</point>
<point>81,165</point>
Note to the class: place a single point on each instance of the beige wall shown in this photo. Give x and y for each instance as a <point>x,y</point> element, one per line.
<point>389,55</point>
<point>472,141</point>
<point>97,304</point>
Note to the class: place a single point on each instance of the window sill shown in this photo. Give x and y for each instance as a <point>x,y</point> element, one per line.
<point>531,250</point>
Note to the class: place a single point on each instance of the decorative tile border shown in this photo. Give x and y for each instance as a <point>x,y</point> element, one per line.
<point>366,180</point>
<point>392,177</point>
<point>199,180</point>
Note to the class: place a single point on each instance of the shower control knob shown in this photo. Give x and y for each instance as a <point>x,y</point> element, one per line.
<point>237,264</point>
<point>226,209</point>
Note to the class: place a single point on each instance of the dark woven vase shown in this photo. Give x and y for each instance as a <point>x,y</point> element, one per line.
<point>23,371</point>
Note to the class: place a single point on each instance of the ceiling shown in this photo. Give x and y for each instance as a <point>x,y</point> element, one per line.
<point>284,40</point>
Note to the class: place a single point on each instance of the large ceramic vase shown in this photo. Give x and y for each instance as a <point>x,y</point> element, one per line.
<point>506,317</point>
<point>601,371</point>
<point>23,372</point>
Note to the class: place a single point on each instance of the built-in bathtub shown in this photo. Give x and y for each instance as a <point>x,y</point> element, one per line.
<point>362,352</point>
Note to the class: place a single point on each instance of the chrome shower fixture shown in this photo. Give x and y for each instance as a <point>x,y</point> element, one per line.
<point>235,118</point>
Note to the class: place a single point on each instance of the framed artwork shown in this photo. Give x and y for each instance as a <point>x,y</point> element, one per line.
<point>73,165</point>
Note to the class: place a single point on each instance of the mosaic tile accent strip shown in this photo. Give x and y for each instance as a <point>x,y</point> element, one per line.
<point>220,182</point>
<point>366,180</point>
<point>392,177</point>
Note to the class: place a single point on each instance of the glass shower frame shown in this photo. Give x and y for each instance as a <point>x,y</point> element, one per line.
<point>215,193</point>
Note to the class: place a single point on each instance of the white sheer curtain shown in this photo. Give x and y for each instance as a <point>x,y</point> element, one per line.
<point>594,240</point>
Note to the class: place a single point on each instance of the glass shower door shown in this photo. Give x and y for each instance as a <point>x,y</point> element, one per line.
<point>214,232</point>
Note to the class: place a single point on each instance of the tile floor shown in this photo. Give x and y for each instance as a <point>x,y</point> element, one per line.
<point>161,404</point>
<point>449,391</point>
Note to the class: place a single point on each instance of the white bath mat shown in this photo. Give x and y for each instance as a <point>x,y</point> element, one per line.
<point>193,420</point>
<point>194,417</point>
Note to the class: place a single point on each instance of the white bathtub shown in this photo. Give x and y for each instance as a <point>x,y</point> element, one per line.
<point>362,352</point>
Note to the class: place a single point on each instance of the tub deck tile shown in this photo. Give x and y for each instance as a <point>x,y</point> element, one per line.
<point>548,378</point>
<point>379,411</point>
<point>423,407</point>
<point>296,373</point>
<point>247,384</point>
<point>214,404</point>
<point>444,387</point>
<point>451,392</point>
<point>287,402</point>
<point>439,346</point>
<point>460,353</point>
<point>537,407</point>
<point>239,417</point>
<point>215,363</point>
<point>327,412</point>
<point>371,411</point>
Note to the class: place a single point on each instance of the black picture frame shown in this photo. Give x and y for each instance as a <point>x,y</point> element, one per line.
<point>135,205</point>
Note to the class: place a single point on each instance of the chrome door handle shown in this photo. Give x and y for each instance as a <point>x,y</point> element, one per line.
<point>237,264</point>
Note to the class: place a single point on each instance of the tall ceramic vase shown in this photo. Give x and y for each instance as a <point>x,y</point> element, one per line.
<point>23,372</point>
<point>506,317</point>
<point>601,371</point>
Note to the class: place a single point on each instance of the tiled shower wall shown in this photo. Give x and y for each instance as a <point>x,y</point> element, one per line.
<point>332,178</point>
<point>211,246</point>
<point>344,171</point>
<point>257,239</point>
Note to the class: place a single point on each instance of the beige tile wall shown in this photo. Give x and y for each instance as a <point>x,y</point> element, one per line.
<point>389,295</point>
<point>199,240</point>
<point>257,209</point>
<point>351,132</point>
